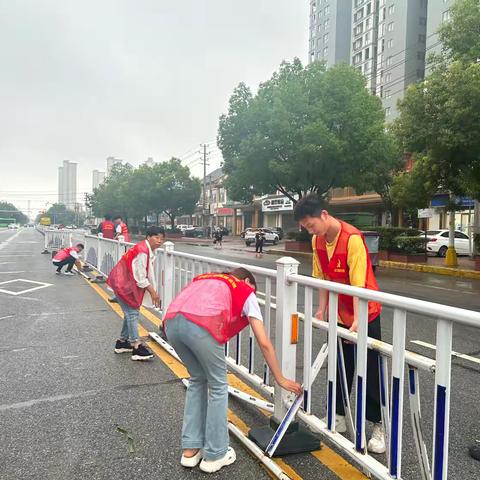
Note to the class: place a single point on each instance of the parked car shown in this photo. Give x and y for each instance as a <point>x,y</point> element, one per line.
<point>184,227</point>
<point>269,235</point>
<point>280,232</point>
<point>249,229</point>
<point>438,242</point>
<point>194,232</point>
<point>13,226</point>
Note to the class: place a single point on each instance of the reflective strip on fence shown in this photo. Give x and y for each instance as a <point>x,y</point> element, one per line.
<point>283,293</point>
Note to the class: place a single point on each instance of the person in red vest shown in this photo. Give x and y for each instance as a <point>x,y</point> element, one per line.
<point>199,321</point>
<point>107,227</point>
<point>68,256</point>
<point>340,255</point>
<point>121,229</point>
<point>131,277</point>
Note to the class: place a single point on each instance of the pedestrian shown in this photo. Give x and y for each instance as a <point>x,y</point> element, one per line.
<point>218,237</point>
<point>199,321</point>
<point>68,256</point>
<point>259,241</point>
<point>340,255</point>
<point>131,277</point>
<point>107,227</point>
<point>121,228</point>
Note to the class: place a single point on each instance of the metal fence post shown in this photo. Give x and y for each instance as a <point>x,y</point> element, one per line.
<point>120,239</point>
<point>442,400</point>
<point>286,306</point>
<point>167,276</point>
<point>99,252</point>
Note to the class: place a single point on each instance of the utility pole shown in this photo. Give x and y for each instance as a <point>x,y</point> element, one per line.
<point>204,185</point>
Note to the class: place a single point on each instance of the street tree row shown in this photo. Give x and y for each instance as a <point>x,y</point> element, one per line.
<point>135,193</point>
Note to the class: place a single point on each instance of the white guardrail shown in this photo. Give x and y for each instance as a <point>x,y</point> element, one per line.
<point>289,295</point>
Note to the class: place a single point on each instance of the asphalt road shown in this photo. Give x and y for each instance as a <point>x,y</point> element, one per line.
<point>63,392</point>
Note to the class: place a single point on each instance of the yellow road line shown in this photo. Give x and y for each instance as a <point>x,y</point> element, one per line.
<point>181,372</point>
<point>328,457</point>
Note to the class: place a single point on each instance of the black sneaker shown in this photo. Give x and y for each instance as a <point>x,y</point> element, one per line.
<point>113,300</point>
<point>123,346</point>
<point>141,353</point>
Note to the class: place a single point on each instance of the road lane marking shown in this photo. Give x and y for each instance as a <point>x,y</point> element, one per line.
<point>444,288</point>
<point>328,457</point>
<point>14,271</point>
<point>454,354</point>
<point>7,316</point>
<point>9,239</point>
<point>28,290</point>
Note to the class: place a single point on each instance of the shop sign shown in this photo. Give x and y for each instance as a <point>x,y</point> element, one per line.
<point>224,212</point>
<point>277,204</point>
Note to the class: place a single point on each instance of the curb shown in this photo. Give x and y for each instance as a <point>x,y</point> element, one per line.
<point>417,267</point>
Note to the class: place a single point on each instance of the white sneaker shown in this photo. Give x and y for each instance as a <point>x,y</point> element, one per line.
<point>191,462</point>
<point>376,444</point>
<point>340,424</point>
<point>210,466</point>
<point>68,273</point>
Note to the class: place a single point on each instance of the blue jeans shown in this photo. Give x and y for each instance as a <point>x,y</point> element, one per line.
<point>130,322</point>
<point>205,416</point>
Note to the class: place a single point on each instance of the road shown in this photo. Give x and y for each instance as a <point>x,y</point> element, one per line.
<point>63,392</point>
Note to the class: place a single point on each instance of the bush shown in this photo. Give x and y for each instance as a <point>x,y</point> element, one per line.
<point>409,245</point>
<point>388,236</point>
<point>303,236</point>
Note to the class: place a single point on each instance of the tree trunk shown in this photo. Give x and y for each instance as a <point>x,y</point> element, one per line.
<point>145,222</point>
<point>476,226</point>
<point>172,221</point>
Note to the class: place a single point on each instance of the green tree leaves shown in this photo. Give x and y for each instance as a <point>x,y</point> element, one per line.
<point>306,130</point>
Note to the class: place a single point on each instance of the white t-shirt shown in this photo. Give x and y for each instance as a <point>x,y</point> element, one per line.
<point>251,308</point>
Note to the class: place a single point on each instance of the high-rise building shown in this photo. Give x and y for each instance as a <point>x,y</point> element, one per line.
<point>383,39</point>
<point>438,12</point>
<point>67,184</point>
<point>97,178</point>
<point>111,161</point>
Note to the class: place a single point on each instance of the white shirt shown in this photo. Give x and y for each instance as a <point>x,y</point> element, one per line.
<point>251,308</point>
<point>118,229</point>
<point>139,268</point>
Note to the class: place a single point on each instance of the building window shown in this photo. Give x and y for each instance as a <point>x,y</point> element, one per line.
<point>367,38</point>
<point>358,29</point>
<point>391,9</point>
<point>388,111</point>
<point>389,61</point>
<point>325,51</point>
<point>390,27</point>
<point>357,44</point>
<point>369,9</point>
<point>368,23</point>
<point>357,58</point>
<point>358,15</point>
<point>325,38</point>
<point>388,78</point>
<point>326,10</point>
<point>367,53</point>
<point>446,16</point>
<point>388,94</point>
<point>390,43</point>
<point>319,27</point>
<point>326,23</point>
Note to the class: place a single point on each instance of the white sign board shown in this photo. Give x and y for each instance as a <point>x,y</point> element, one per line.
<point>425,212</point>
<point>277,204</point>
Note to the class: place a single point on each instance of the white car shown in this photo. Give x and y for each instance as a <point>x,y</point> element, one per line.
<point>183,227</point>
<point>438,242</point>
<point>269,235</point>
<point>13,226</point>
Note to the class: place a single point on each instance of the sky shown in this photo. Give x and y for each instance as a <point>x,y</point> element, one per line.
<point>132,79</point>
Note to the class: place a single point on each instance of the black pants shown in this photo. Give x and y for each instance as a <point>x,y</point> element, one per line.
<point>373,412</point>
<point>70,261</point>
<point>259,247</point>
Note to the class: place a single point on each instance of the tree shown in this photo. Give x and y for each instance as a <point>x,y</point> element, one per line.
<point>178,191</point>
<point>8,210</point>
<point>306,130</point>
<point>59,213</point>
<point>440,117</point>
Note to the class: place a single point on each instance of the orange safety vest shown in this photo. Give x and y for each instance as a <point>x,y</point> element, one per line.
<point>213,301</point>
<point>125,233</point>
<point>64,254</point>
<point>336,270</point>
<point>108,229</point>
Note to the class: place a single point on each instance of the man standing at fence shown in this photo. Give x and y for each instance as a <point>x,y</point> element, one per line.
<point>107,227</point>
<point>131,277</point>
<point>340,255</point>
<point>68,256</point>
<point>121,229</point>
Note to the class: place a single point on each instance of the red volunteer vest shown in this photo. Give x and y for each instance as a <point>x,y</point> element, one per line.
<point>63,254</point>
<point>122,281</point>
<point>108,229</point>
<point>336,270</point>
<point>213,301</point>
<point>125,232</point>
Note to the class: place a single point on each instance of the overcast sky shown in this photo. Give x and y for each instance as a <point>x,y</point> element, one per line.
<point>83,80</point>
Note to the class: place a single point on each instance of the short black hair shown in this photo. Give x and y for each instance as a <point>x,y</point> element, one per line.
<point>117,217</point>
<point>154,230</point>
<point>310,205</point>
<point>81,246</point>
<point>108,216</point>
